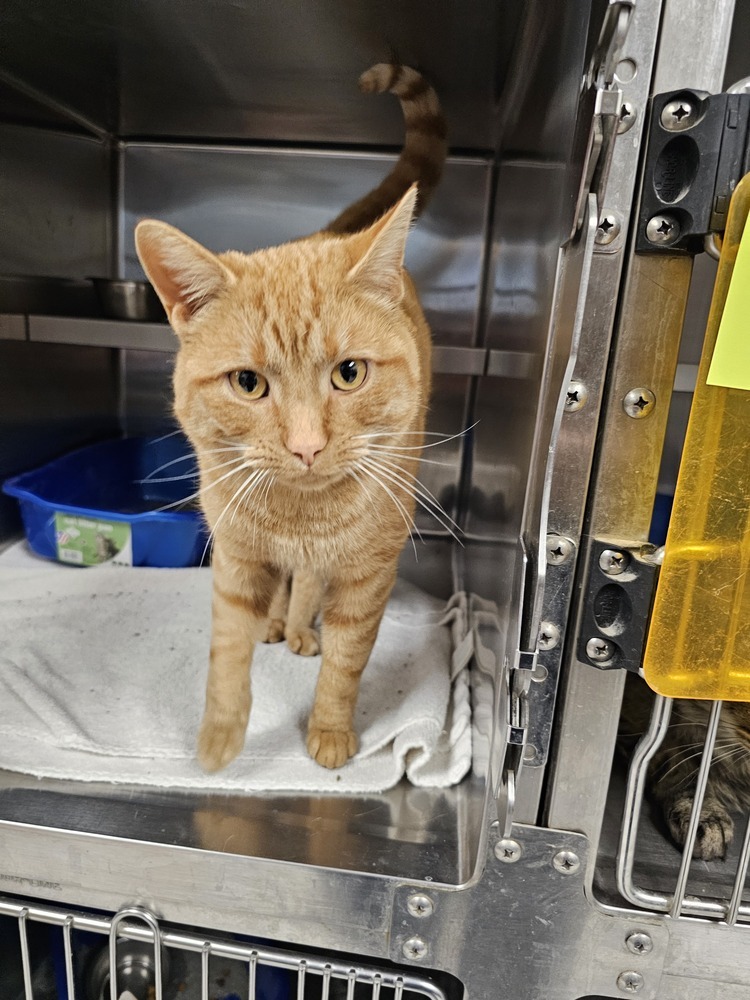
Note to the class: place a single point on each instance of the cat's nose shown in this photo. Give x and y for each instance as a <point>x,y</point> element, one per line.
<point>307,448</point>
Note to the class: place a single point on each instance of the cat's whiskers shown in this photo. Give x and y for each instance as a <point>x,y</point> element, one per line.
<point>384,451</point>
<point>252,480</point>
<point>425,500</point>
<point>399,505</point>
<point>205,489</point>
<point>190,475</point>
<point>419,447</point>
<point>182,458</point>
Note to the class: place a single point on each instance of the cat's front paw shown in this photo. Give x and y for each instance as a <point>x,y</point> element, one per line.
<point>715,830</point>
<point>219,741</point>
<point>274,630</point>
<point>330,747</point>
<point>303,640</point>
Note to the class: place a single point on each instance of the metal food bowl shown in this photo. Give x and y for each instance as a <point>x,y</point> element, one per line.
<point>130,300</point>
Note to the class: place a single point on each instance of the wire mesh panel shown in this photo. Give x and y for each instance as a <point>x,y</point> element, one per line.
<point>692,762</point>
<point>53,954</point>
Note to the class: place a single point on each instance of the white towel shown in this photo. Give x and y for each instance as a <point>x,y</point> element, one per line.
<point>102,676</point>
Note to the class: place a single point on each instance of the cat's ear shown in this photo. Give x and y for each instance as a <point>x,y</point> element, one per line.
<point>379,271</point>
<point>185,275</point>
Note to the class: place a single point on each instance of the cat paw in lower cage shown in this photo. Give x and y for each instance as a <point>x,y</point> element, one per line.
<point>715,830</point>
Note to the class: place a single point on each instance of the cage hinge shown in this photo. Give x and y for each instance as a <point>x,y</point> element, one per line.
<point>698,151</point>
<point>618,592</point>
<point>600,109</point>
<point>515,730</point>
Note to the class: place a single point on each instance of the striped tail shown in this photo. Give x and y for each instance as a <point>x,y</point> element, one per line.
<point>422,157</point>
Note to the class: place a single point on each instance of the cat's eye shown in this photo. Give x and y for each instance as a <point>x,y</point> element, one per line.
<point>350,374</point>
<point>248,384</point>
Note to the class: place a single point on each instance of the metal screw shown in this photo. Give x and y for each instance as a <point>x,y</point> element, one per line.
<point>420,905</point>
<point>627,117</point>
<point>639,942</point>
<point>549,636</point>
<point>678,116</point>
<point>612,562</point>
<point>507,850</point>
<point>608,229</point>
<point>630,982</point>
<point>559,549</point>
<point>600,650</point>
<point>662,230</point>
<point>576,397</point>
<point>566,862</point>
<point>638,403</point>
<point>415,949</point>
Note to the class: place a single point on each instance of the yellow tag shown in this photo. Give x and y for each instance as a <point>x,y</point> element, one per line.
<point>730,364</point>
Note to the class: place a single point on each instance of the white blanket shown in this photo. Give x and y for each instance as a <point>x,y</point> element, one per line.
<point>102,675</point>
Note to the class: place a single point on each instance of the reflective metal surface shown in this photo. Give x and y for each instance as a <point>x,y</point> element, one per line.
<point>56,222</point>
<point>259,71</point>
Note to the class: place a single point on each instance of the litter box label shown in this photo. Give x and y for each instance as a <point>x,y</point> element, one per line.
<point>83,541</point>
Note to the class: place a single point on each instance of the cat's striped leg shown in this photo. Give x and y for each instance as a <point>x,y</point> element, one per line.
<point>304,604</point>
<point>242,595</point>
<point>352,612</point>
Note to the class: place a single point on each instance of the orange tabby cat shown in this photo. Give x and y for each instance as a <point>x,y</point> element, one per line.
<point>302,381</point>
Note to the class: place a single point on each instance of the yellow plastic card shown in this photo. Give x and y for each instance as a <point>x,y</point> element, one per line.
<point>699,638</point>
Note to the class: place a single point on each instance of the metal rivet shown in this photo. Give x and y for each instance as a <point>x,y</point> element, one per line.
<point>540,673</point>
<point>638,403</point>
<point>628,116</point>
<point>549,636</point>
<point>559,549</point>
<point>507,850</point>
<point>529,752</point>
<point>662,230</point>
<point>600,650</point>
<point>420,905</point>
<point>676,116</point>
<point>608,229</point>
<point>566,862</point>
<point>630,982</point>
<point>576,396</point>
<point>415,949</point>
<point>613,562</point>
<point>639,942</point>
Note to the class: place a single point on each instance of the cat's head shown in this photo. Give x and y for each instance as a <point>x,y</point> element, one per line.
<point>297,352</point>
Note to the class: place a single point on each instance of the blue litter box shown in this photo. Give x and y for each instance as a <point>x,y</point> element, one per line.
<point>97,504</point>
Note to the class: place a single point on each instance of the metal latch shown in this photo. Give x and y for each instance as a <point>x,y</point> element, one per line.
<point>698,151</point>
<point>618,593</point>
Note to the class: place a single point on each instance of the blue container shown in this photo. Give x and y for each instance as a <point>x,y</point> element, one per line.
<point>103,495</point>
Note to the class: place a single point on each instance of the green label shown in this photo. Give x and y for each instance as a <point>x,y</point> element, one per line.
<point>84,541</point>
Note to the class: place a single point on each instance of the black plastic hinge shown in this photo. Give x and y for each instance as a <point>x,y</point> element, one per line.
<point>618,593</point>
<point>698,151</point>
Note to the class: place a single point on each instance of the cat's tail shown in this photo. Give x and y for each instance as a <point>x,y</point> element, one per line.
<point>422,157</point>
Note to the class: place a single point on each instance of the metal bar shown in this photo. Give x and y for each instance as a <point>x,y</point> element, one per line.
<point>326,986</point>
<point>68,947</point>
<point>350,984</point>
<point>134,913</point>
<point>644,752</point>
<point>695,815</point>
<point>733,908</point>
<point>25,962</point>
<point>205,956</point>
<point>399,992</point>
<point>252,976</point>
<point>301,980</point>
<point>376,988</point>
